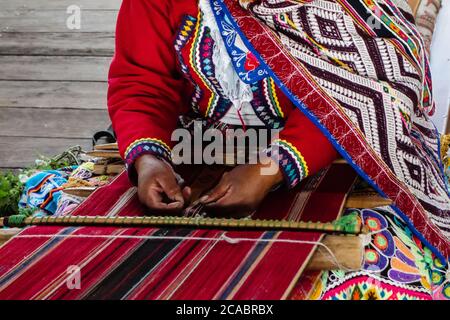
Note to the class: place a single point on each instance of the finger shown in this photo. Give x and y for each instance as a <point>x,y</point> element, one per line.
<point>154,200</point>
<point>230,205</point>
<point>181,182</point>
<point>187,193</point>
<point>217,193</point>
<point>171,189</point>
<point>149,194</point>
<point>227,198</point>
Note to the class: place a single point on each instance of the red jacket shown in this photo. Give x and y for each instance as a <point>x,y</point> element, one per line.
<point>148,91</point>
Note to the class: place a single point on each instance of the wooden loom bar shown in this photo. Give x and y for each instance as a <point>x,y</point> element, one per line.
<point>366,200</point>
<point>107,146</point>
<point>347,251</point>
<point>6,234</point>
<point>108,169</point>
<point>344,226</point>
<point>80,191</point>
<point>108,154</point>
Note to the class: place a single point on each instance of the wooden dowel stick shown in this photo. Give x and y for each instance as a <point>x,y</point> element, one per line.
<point>347,250</point>
<point>367,201</point>
<point>107,154</point>
<point>80,191</point>
<point>107,169</point>
<point>108,146</point>
<point>6,234</point>
<point>347,227</point>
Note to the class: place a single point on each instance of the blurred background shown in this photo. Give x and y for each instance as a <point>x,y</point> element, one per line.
<point>54,59</point>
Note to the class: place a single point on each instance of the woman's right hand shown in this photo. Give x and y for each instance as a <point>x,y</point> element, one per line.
<point>158,188</point>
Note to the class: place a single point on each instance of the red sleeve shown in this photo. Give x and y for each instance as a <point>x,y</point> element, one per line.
<point>301,149</point>
<point>145,95</point>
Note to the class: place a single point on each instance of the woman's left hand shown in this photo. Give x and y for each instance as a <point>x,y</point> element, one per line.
<point>241,190</point>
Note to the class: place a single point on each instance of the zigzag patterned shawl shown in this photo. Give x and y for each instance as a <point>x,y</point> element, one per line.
<point>358,70</point>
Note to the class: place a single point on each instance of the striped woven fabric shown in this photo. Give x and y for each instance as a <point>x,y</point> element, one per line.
<point>146,263</point>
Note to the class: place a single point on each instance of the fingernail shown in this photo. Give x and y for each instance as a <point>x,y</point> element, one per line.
<point>175,205</point>
<point>204,198</point>
<point>210,204</point>
<point>177,198</point>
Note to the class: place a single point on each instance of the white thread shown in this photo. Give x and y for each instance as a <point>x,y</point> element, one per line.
<point>221,238</point>
<point>228,239</point>
<point>367,237</point>
<point>366,240</point>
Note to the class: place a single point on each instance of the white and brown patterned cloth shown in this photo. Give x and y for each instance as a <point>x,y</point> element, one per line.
<point>426,12</point>
<point>368,59</point>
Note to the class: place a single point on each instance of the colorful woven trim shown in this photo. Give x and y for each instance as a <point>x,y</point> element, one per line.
<point>152,146</point>
<point>264,107</point>
<point>187,29</point>
<point>270,91</point>
<point>291,161</point>
<point>201,62</point>
<point>185,32</point>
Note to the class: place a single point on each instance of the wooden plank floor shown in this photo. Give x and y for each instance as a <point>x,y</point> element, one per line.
<point>52,79</point>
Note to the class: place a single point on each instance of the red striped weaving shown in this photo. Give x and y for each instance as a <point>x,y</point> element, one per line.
<point>123,263</point>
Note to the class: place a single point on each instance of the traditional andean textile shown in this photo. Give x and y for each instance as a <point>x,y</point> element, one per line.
<point>397,266</point>
<point>148,263</point>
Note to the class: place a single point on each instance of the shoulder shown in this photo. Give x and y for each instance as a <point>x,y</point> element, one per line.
<point>168,7</point>
<point>172,10</point>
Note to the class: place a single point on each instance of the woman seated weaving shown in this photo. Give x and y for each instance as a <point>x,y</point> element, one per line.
<point>337,77</point>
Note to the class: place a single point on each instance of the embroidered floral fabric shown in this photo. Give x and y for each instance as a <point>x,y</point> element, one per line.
<point>397,266</point>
